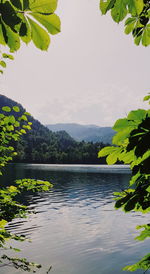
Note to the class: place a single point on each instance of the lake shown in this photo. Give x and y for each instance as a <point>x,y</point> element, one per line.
<point>75,228</point>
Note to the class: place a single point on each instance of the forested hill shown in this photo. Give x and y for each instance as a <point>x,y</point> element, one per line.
<point>88,133</point>
<point>40,145</point>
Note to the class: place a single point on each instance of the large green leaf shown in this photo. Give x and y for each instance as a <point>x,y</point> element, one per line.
<point>106,5</point>
<point>39,36</point>
<point>17,4</point>
<point>130,24</point>
<point>9,15</point>
<point>112,158</point>
<point>106,150</point>
<point>50,22</point>
<point>121,124</point>
<point>135,178</point>
<point>119,11</point>
<point>25,30</point>
<point>135,6</point>
<point>139,6</point>
<point>120,137</point>
<point>146,36</point>
<point>2,38</point>
<point>43,6</point>
<point>12,39</point>
<point>25,4</point>
<point>137,115</point>
<point>127,157</point>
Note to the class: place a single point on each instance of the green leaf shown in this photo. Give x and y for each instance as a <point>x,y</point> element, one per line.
<point>17,4</point>
<point>148,189</point>
<point>106,5</point>
<point>25,30</point>
<point>138,5</point>
<point>23,131</point>
<point>105,151</point>
<point>16,108</point>
<point>135,178</point>
<point>137,39</point>
<point>146,98</point>
<point>143,264</point>
<point>13,189</point>
<point>137,115</point>
<point>2,38</point>
<point>25,4</point>
<point>121,124</point>
<point>9,56</point>
<point>112,158</point>
<point>9,15</point>
<point>146,36</point>
<point>131,203</point>
<point>12,119</point>
<point>28,114</point>
<point>130,20</point>
<point>50,22</point>
<point>120,137</point>
<point>39,36</point>
<point>3,223</point>
<point>17,124</point>
<point>12,39</point>
<point>43,6</point>
<point>135,7</point>
<point>24,118</point>
<point>119,11</point>
<point>145,233</point>
<point>129,28</point>
<point>7,109</point>
<point>3,64</point>
<point>127,157</point>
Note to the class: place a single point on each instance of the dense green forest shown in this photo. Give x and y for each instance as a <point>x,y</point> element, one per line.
<point>40,145</point>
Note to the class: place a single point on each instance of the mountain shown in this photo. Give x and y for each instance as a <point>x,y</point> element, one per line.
<point>88,133</point>
<point>41,145</point>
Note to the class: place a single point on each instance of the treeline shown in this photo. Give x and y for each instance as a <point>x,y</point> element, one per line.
<point>40,145</point>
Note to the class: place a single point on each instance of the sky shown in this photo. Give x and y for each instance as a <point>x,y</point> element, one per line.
<point>92,73</point>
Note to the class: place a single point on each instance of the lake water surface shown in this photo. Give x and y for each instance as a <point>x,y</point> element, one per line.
<point>76,229</point>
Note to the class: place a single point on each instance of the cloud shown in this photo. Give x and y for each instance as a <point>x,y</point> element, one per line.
<point>101,107</point>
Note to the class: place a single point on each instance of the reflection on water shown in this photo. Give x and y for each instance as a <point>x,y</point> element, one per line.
<point>76,229</point>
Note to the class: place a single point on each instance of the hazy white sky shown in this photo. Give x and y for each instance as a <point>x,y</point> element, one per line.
<point>92,73</point>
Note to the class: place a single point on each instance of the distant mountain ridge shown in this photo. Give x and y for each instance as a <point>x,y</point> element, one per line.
<point>41,145</point>
<point>88,133</point>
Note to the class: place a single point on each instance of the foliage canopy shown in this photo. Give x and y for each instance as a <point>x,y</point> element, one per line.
<point>136,13</point>
<point>26,21</point>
